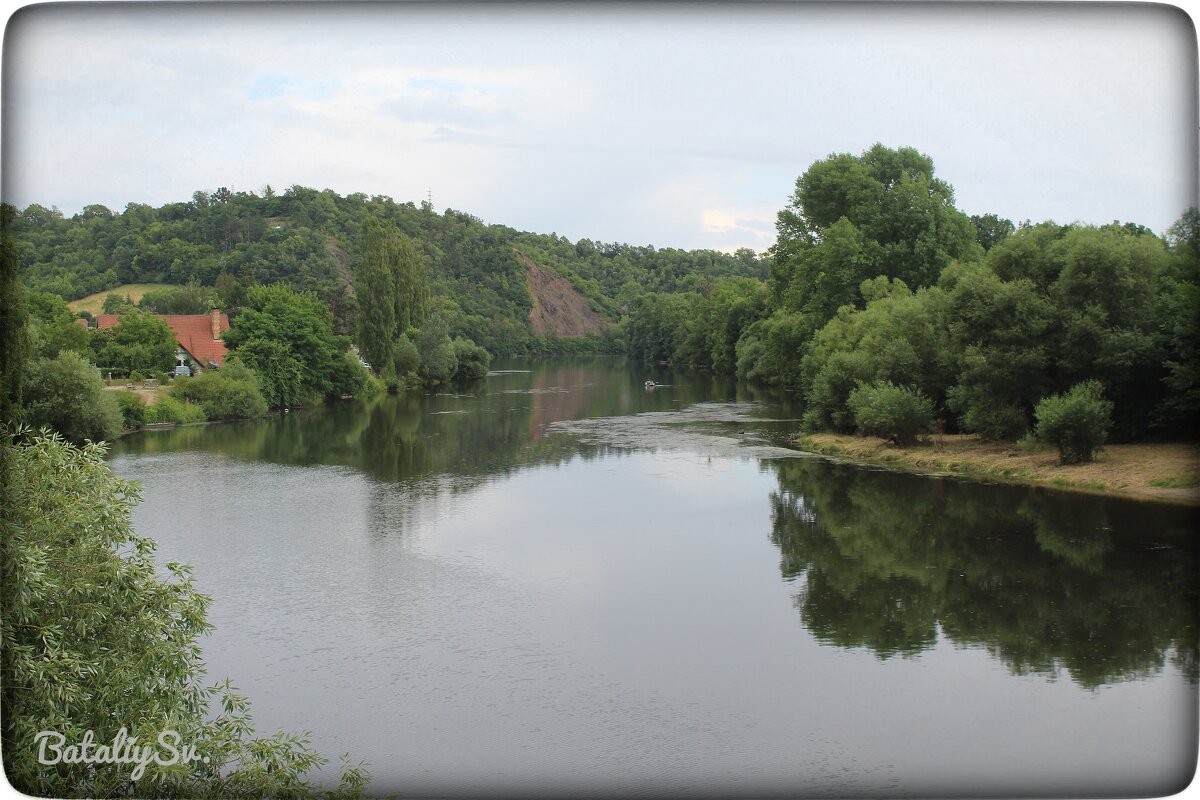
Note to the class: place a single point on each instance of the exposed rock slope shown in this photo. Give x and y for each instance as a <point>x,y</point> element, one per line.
<point>558,307</point>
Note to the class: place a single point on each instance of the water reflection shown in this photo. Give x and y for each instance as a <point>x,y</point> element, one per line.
<point>556,583</point>
<point>481,431</point>
<point>1104,589</point>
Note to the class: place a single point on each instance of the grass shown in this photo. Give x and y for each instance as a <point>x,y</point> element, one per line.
<point>1177,482</point>
<point>94,303</point>
<point>1168,471</point>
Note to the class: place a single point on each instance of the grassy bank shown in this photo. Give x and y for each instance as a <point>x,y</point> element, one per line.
<point>1169,472</point>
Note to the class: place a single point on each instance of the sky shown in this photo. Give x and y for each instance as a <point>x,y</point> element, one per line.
<point>680,125</point>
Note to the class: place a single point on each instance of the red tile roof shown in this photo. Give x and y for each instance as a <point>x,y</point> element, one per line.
<point>194,332</point>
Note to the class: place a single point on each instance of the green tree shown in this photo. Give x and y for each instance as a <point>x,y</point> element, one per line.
<point>190,299</point>
<point>376,289</point>
<point>1076,422</point>
<point>1000,336</point>
<point>892,199</point>
<point>133,409</point>
<point>899,337</point>
<point>117,304</point>
<point>306,357</point>
<point>898,413</point>
<point>53,327</point>
<point>1106,296</point>
<point>411,278</point>
<point>1030,253</point>
<point>470,360</point>
<point>140,341</point>
<point>1177,313</point>
<point>991,229</point>
<point>14,343</point>
<point>437,352</point>
<point>655,325</point>
<point>231,293</point>
<point>66,394</point>
<point>280,376</point>
<point>820,279</point>
<point>407,359</point>
<point>768,350</point>
<point>231,393</point>
<point>95,640</point>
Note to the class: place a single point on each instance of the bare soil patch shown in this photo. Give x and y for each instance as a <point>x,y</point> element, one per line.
<point>558,307</point>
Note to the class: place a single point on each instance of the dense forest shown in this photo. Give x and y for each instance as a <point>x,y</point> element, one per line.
<point>311,241</point>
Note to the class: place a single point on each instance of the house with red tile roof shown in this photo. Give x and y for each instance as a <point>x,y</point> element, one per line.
<point>198,334</point>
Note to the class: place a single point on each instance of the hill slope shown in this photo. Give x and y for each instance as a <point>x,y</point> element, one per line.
<point>558,308</point>
<point>309,239</point>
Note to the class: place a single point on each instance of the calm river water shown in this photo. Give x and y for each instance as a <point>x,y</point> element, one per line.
<point>556,583</point>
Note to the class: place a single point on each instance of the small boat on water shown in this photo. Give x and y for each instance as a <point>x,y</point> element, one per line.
<point>649,384</point>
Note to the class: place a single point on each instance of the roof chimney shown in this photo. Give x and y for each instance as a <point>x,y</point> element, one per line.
<point>216,323</point>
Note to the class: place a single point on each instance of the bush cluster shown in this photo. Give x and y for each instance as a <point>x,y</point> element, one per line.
<point>66,393</point>
<point>133,409</point>
<point>1076,422</point>
<point>231,393</point>
<point>170,409</point>
<point>898,413</point>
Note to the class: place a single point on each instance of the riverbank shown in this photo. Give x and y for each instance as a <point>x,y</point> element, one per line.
<point>1163,472</point>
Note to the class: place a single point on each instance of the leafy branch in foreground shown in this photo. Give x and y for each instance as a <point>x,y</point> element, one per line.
<point>95,640</point>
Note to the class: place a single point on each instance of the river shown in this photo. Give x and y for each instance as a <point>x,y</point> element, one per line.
<point>559,583</point>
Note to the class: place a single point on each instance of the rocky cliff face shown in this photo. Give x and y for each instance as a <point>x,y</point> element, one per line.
<point>558,308</point>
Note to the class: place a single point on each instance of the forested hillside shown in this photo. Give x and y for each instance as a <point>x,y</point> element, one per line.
<point>309,240</point>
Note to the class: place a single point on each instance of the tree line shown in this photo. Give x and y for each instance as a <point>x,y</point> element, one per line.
<point>891,311</point>
<point>227,241</point>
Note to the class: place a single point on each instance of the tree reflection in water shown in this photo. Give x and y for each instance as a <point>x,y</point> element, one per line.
<point>1105,589</point>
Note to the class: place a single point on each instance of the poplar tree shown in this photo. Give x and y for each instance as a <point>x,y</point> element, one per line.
<point>412,285</point>
<point>375,285</point>
<point>393,290</point>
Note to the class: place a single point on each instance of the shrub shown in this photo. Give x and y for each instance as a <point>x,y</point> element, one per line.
<point>437,352</point>
<point>170,409</point>
<point>472,360</point>
<point>348,376</point>
<point>898,413</point>
<point>373,386</point>
<point>231,393</point>
<point>280,375</point>
<point>133,409</point>
<point>405,356</point>
<point>989,416</point>
<point>1076,422</point>
<point>66,393</point>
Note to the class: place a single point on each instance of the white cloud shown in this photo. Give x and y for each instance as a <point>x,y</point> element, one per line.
<point>672,125</point>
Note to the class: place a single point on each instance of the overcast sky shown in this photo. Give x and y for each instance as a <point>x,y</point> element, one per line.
<point>682,125</point>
